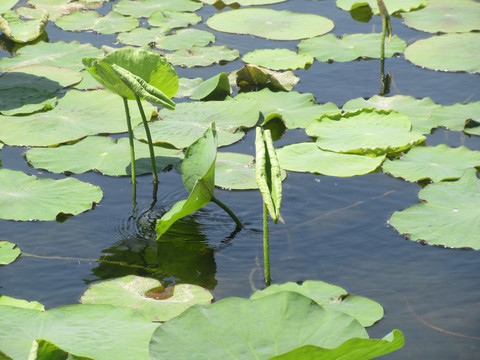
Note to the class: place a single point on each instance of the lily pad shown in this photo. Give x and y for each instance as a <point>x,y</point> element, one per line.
<point>111,23</point>
<point>332,298</point>
<point>62,54</point>
<point>463,52</point>
<point>393,6</point>
<point>20,30</point>
<point>215,88</point>
<point>244,2</point>
<point>367,132</point>
<point>307,157</point>
<point>419,111</point>
<point>56,8</point>
<point>278,59</point>
<point>25,197</point>
<point>349,47</point>
<point>445,16</point>
<point>181,129</point>
<point>202,56</point>
<point>252,77</point>
<point>24,304</point>
<point>43,349</point>
<point>447,216</point>
<point>173,19</point>
<point>7,5</point>
<point>270,24</point>
<point>136,292</point>
<point>455,117</point>
<point>187,86</point>
<point>143,36</point>
<point>103,154</point>
<point>185,39</point>
<point>145,8</point>
<point>9,252</point>
<point>95,331</point>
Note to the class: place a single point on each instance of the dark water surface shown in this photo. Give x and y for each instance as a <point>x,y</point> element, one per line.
<point>335,228</point>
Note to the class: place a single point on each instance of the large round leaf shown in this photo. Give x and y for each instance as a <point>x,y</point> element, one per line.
<point>24,304</point>
<point>270,24</point>
<point>307,157</point>
<point>372,132</point>
<point>278,59</point>
<point>8,253</point>
<point>25,197</point>
<point>135,292</point>
<point>202,56</point>
<point>20,30</point>
<point>102,332</point>
<point>145,8</point>
<point>463,52</point>
<point>433,162</point>
<point>111,23</point>
<point>448,215</point>
<point>252,329</point>
<point>455,117</point>
<point>185,39</point>
<point>76,115</point>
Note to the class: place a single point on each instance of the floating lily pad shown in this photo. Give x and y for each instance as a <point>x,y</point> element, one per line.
<point>103,154</point>
<point>137,292</point>
<point>349,47</point>
<point>244,2</point>
<point>463,52</point>
<point>20,30</point>
<point>455,117</point>
<point>445,16</point>
<point>202,56</point>
<point>252,77</point>
<point>332,298</point>
<point>419,111</point>
<point>393,6</point>
<point>173,19</point>
<point>433,162</point>
<point>297,110</point>
<point>215,88</point>
<point>7,5</point>
<point>9,301</point>
<point>111,23</point>
<point>43,349</point>
<point>143,36</point>
<point>185,39</point>
<point>25,198</point>
<point>367,131</point>
<point>181,129</point>
<point>307,157</point>
<point>76,115</point>
<point>270,24</point>
<point>186,86</point>
<point>448,214</point>
<point>56,8</point>
<point>278,59</point>
<point>145,8</point>
<point>62,54</point>
<point>9,252</point>
<point>96,331</point>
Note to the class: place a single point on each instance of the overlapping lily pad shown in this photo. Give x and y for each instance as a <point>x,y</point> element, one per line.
<point>173,19</point>
<point>202,56</point>
<point>185,39</point>
<point>252,77</point>
<point>142,36</point>
<point>103,154</point>
<point>20,30</point>
<point>26,198</point>
<point>463,52</point>
<point>111,23</point>
<point>7,5</point>
<point>448,215</point>
<point>307,157</point>
<point>8,254</point>
<point>455,117</point>
<point>244,2</point>
<point>393,6</point>
<point>145,8</point>
<point>56,8</point>
<point>270,24</point>
<point>187,86</point>
<point>181,129</point>
<point>349,47</point>
<point>9,301</point>
<point>278,59</point>
<point>215,88</point>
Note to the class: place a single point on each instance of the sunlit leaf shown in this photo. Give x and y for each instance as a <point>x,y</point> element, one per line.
<point>111,23</point>
<point>393,6</point>
<point>185,39</point>
<point>173,19</point>
<point>143,36</point>
<point>56,8</point>
<point>43,349</point>
<point>24,304</point>
<point>20,30</point>
<point>145,8</point>
<point>252,77</point>
<point>278,59</point>
<point>244,2</point>
<point>7,5</point>
<point>9,252</point>
<point>202,56</point>
<point>455,117</point>
<point>215,88</point>
<point>187,86</point>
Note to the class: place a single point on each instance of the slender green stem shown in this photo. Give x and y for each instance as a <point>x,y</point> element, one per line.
<point>132,152</point>
<point>149,139</point>
<point>266,247</point>
<point>228,211</point>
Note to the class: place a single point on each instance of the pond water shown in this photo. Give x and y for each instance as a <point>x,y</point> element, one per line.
<point>335,228</point>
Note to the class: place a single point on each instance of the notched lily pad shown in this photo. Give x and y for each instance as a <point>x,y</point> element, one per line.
<point>278,59</point>
<point>111,23</point>
<point>9,252</point>
<point>20,30</point>
<point>56,8</point>
<point>142,36</point>
<point>202,56</point>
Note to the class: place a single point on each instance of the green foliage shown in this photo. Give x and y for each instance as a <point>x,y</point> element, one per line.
<point>278,59</point>
<point>8,253</point>
<point>20,30</point>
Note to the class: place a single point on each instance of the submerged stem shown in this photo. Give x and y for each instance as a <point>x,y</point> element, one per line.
<point>132,152</point>
<point>229,212</point>
<point>149,139</point>
<point>266,247</point>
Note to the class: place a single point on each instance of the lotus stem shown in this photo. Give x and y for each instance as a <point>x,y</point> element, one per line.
<point>149,139</point>
<point>386,27</point>
<point>132,151</point>
<point>229,212</point>
<point>266,247</point>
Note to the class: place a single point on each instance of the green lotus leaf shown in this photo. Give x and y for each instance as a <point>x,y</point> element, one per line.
<point>445,16</point>
<point>419,111</point>
<point>367,132</point>
<point>76,115</point>
<point>24,304</point>
<point>463,52</point>
<point>186,86</point>
<point>181,129</point>
<point>254,77</point>
<point>455,117</point>
<point>62,54</point>
<point>173,19</point>
<point>142,36</point>
<point>278,59</point>
<point>215,88</point>
<point>307,157</point>
<point>393,6</point>
<point>102,154</point>
<point>147,296</point>
<point>433,162</point>
<point>202,56</point>
<point>447,216</point>
<point>7,5</point>
<point>145,8</point>
<point>20,30</point>
<point>270,24</point>
<point>43,349</point>
<point>9,252</point>
<point>244,2</point>
<point>358,349</point>
<point>332,298</point>
<point>349,47</point>
<point>297,110</point>
<point>95,331</point>
<point>88,82</point>
<point>56,8</point>
<point>111,23</point>
<point>185,39</point>
<point>25,197</point>
<point>253,329</point>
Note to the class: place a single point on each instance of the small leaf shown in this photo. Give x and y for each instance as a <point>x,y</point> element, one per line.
<point>8,253</point>
<point>215,88</point>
